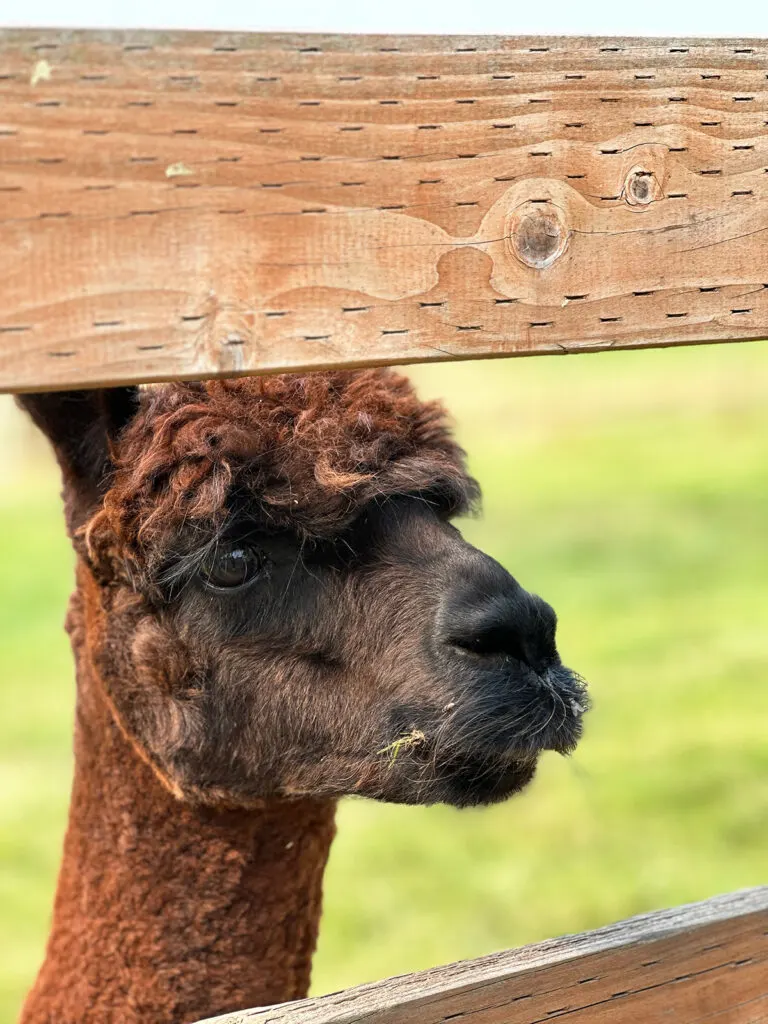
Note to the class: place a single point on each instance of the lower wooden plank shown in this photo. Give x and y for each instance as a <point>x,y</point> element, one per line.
<point>705,963</point>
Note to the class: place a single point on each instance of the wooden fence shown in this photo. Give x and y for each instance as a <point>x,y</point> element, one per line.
<point>707,962</point>
<point>184,204</point>
<point>178,205</point>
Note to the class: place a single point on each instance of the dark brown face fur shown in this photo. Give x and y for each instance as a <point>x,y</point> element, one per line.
<point>369,649</point>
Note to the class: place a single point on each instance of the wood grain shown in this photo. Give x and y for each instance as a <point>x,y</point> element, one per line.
<point>706,963</point>
<point>192,204</point>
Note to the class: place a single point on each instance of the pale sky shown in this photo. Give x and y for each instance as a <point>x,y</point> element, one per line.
<point>505,17</point>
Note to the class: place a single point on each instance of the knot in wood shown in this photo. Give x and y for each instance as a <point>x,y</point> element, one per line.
<point>537,234</point>
<point>641,187</point>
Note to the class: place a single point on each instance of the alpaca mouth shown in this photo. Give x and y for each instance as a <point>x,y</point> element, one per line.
<point>484,745</point>
<point>529,714</point>
<point>500,758</point>
<point>487,748</point>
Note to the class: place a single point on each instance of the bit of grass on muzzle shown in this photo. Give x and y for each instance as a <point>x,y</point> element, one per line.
<point>408,742</point>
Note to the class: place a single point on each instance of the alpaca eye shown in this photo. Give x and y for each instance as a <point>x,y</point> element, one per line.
<point>231,565</point>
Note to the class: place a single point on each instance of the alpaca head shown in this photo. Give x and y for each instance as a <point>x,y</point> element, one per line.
<point>283,607</point>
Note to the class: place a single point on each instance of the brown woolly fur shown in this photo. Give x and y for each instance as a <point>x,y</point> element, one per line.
<point>314,449</point>
<point>273,610</point>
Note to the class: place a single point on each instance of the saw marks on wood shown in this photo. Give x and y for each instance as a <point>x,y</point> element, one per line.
<point>191,204</point>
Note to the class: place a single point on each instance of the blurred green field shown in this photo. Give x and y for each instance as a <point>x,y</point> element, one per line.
<point>630,490</point>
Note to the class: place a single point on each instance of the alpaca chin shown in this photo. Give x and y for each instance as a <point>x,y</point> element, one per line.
<point>481,783</point>
<point>475,782</point>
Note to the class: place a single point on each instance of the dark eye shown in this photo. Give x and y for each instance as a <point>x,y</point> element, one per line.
<point>231,565</point>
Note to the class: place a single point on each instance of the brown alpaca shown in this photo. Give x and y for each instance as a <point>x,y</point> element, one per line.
<point>272,611</point>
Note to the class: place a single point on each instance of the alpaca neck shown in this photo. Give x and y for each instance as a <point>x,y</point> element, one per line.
<point>168,913</point>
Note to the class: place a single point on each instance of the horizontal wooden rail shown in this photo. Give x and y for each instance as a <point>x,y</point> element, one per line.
<point>192,204</point>
<point>706,963</point>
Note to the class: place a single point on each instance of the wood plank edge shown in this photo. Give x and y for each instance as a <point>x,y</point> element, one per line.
<point>350,1005</point>
<point>341,41</point>
<point>94,379</point>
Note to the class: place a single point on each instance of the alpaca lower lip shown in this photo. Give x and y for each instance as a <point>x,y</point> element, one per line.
<point>561,737</point>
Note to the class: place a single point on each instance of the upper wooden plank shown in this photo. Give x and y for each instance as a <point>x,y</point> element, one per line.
<point>192,204</point>
<point>705,962</point>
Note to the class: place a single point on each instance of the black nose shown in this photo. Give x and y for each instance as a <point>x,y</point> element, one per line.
<point>490,614</point>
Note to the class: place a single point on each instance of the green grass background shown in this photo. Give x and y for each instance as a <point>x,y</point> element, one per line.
<point>630,490</point>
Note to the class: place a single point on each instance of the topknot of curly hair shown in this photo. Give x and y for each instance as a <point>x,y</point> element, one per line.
<point>306,450</point>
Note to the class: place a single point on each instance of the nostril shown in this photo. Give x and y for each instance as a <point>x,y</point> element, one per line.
<point>519,626</point>
<point>493,641</point>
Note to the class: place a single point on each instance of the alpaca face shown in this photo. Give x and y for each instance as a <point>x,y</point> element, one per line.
<point>391,660</point>
<point>287,610</point>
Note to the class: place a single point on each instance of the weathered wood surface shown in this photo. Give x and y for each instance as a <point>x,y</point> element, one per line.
<point>706,962</point>
<point>189,204</point>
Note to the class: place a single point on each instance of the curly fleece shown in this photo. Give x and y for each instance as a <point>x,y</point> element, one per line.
<point>311,450</point>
